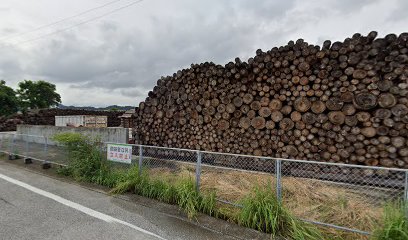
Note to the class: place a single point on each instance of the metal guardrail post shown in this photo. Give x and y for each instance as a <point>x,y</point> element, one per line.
<point>140,159</point>
<point>198,171</point>
<point>278,173</point>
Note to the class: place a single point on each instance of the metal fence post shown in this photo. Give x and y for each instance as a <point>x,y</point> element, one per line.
<point>1,142</point>
<point>13,148</point>
<point>406,194</point>
<point>46,149</point>
<point>13,143</point>
<point>140,159</point>
<point>278,173</point>
<point>198,171</point>
<point>406,188</point>
<point>26,147</point>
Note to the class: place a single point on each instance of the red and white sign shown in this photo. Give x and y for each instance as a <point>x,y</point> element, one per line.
<point>119,153</point>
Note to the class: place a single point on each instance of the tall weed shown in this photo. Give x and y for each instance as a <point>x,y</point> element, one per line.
<point>262,211</point>
<point>395,223</point>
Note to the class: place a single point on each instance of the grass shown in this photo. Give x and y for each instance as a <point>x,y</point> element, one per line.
<point>303,198</point>
<point>395,223</point>
<point>188,197</point>
<point>263,212</point>
<point>308,199</point>
<point>183,193</point>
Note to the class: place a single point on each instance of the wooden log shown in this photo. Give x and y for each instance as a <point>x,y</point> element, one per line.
<point>270,124</point>
<point>237,101</point>
<point>258,122</point>
<point>368,132</point>
<point>334,104</point>
<point>286,124</point>
<point>336,117</point>
<point>245,123</point>
<point>248,98</point>
<point>399,110</point>
<point>276,116</point>
<point>275,105</point>
<point>255,105</point>
<point>296,116</point>
<point>318,107</point>
<point>264,112</point>
<point>302,104</point>
<point>387,100</point>
<point>348,109</point>
<point>365,101</point>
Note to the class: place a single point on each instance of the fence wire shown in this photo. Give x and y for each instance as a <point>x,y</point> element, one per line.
<point>322,193</point>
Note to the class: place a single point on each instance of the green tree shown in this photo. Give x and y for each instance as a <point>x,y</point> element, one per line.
<point>8,100</point>
<point>37,94</point>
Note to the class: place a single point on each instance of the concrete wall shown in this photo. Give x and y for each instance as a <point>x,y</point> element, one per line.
<point>113,134</point>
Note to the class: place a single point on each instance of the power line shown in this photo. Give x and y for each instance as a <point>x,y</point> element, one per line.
<point>78,24</point>
<point>57,22</point>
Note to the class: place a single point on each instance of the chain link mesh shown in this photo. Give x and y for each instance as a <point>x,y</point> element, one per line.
<point>165,163</point>
<point>232,177</point>
<point>344,195</point>
<point>348,196</point>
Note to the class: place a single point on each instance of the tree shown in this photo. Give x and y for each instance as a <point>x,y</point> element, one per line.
<point>8,100</point>
<point>37,94</point>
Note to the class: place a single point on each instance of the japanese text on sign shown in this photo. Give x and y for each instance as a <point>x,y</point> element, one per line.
<point>119,153</point>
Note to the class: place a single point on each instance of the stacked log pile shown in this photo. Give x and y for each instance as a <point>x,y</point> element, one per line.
<point>47,117</point>
<point>9,124</point>
<point>345,102</point>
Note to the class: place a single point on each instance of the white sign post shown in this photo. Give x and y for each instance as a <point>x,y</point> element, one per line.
<point>119,153</point>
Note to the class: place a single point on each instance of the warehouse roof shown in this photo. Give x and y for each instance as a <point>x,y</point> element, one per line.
<point>128,114</point>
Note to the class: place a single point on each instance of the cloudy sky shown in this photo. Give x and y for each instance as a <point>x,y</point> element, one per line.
<point>117,59</point>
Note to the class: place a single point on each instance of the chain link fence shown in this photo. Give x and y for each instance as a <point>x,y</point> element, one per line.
<point>341,196</point>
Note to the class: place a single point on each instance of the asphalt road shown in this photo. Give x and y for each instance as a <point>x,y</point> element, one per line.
<point>34,206</point>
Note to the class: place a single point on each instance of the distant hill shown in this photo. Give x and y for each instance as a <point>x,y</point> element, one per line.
<point>108,108</point>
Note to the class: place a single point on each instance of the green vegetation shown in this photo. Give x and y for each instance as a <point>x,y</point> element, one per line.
<point>37,94</point>
<point>87,164</point>
<point>395,223</point>
<point>182,193</point>
<point>262,211</point>
<point>8,100</point>
<point>260,208</point>
<point>29,95</point>
<point>86,161</point>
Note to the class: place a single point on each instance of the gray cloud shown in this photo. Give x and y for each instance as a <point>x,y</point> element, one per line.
<point>400,11</point>
<point>121,57</point>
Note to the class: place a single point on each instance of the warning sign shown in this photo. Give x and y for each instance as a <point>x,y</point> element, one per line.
<point>119,153</point>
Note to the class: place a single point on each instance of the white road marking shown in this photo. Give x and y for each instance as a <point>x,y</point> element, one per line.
<point>76,206</point>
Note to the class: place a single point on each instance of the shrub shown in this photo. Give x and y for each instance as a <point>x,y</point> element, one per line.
<point>86,160</point>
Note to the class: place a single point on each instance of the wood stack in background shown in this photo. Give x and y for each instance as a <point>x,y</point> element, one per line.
<point>345,102</point>
<point>47,117</point>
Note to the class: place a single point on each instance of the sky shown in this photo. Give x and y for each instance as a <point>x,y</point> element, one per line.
<point>106,52</point>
